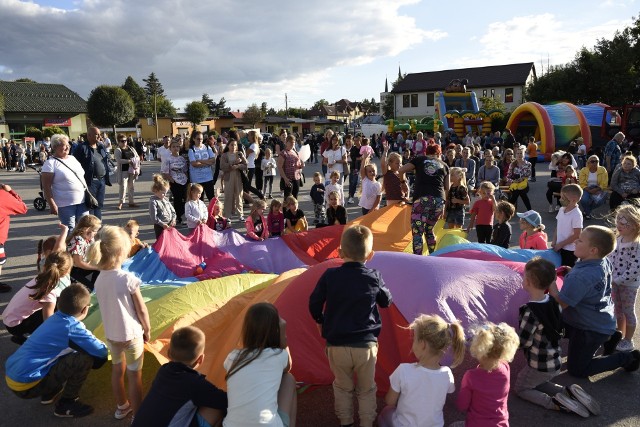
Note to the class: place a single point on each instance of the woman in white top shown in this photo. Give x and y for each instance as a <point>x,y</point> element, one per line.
<point>63,183</point>
<point>126,160</point>
<point>335,157</point>
<point>594,180</point>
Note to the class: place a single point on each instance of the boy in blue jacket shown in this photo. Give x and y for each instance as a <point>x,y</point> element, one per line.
<point>58,356</point>
<point>345,303</point>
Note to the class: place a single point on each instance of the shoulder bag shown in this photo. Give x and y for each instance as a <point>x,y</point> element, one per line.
<point>89,199</point>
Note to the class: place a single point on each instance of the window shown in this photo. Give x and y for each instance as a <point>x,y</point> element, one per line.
<point>484,93</point>
<point>508,94</point>
<point>430,100</point>
<point>410,101</point>
<point>493,93</point>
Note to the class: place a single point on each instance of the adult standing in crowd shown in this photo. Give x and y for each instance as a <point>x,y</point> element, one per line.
<point>201,158</point>
<point>93,158</point>
<point>127,171</point>
<point>612,153</point>
<point>232,163</point>
<point>518,179</point>
<point>354,155</point>
<point>62,183</point>
<point>431,185</point>
<point>532,152</point>
<point>164,151</point>
<point>469,165</point>
<point>289,168</point>
<point>335,157</point>
<point>252,153</point>
<point>593,180</point>
<point>326,143</point>
<point>174,169</point>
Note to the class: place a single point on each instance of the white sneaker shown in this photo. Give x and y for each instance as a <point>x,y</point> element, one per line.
<point>351,201</point>
<point>550,208</point>
<point>625,345</point>
<point>122,411</point>
<point>557,207</point>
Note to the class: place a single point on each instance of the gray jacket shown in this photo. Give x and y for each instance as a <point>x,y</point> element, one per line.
<point>161,211</point>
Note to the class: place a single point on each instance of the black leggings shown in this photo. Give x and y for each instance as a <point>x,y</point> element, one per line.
<point>179,193</point>
<point>513,199</point>
<point>553,187</point>
<point>292,190</point>
<point>268,184</point>
<point>27,326</point>
<point>484,233</point>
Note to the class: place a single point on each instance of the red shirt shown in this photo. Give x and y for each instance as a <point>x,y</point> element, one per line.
<point>10,204</point>
<point>483,208</point>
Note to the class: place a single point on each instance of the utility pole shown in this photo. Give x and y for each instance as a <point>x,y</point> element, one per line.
<point>286,107</point>
<point>155,114</point>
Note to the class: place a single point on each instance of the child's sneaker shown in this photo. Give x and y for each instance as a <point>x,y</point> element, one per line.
<point>550,208</point>
<point>576,392</point>
<point>610,346</point>
<point>72,409</point>
<point>635,361</point>
<point>567,404</point>
<point>625,345</point>
<point>123,411</point>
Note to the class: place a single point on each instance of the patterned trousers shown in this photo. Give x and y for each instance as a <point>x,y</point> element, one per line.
<point>425,212</point>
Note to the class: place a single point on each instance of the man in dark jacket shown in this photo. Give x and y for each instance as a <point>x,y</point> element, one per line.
<point>95,161</point>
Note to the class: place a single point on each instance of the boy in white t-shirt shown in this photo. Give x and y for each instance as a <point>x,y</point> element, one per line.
<point>569,224</point>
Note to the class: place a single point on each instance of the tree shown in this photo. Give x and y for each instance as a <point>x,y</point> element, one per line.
<point>165,107</point>
<point>489,104</point>
<point>210,103</point>
<point>138,95</point>
<point>33,132</point>
<point>153,86</point>
<point>25,80</point>
<point>196,112</point>
<point>319,103</point>
<point>272,112</point>
<point>263,109</point>
<point>110,106</point>
<point>252,115</point>
<point>221,107</point>
<point>52,130</point>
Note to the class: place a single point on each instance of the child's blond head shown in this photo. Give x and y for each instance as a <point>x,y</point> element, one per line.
<point>257,205</point>
<point>159,183</point>
<point>356,243</point>
<point>186,345</point>
<point>111,247</point>
<point>194,190</point>
<point>275,204</point>
<point>439,335</point>
<point>87,222</point>
<point>494,343</point>
<point>335,174</point>
<point>460,174</point>
<point>628,215</point>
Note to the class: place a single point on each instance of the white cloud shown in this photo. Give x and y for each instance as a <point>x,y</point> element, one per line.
<point>246,51</point>
<point>538,37</point>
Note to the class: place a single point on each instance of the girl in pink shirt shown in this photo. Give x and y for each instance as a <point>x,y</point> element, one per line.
<point>533,235</point>
<point>484,390</point>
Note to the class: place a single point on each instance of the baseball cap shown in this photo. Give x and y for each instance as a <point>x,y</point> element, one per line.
<point>532,217</point>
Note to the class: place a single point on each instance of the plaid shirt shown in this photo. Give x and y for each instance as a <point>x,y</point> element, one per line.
<point>540,353</point>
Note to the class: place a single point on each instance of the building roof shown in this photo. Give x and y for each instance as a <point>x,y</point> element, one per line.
<point>40,98</point>
<point>497,75</point>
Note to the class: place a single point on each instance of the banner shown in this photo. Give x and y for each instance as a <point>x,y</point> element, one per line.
<point>57,122</point>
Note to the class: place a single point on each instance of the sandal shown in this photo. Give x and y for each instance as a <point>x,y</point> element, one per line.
<point>5,288</point>
<point>119,206</point>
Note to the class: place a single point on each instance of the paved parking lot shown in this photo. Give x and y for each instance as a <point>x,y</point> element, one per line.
<point>616,391</point>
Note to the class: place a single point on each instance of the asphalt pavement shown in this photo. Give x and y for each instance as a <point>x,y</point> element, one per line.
<point>617,391</point>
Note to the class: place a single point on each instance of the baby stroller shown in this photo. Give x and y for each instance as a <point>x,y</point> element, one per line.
<point>40,203</point>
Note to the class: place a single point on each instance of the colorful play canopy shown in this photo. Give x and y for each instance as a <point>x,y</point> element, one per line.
<point>464,281</point>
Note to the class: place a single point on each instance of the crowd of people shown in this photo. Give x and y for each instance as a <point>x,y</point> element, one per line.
<point>439,176</point>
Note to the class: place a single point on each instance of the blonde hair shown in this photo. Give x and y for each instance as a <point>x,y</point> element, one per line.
<point>440,335</point>
<point>85,223</point>
<point>194,188</point>
<point>396,156</point>
<point>275,203</point>
<point>317,175</point>
<point>56,265</point>
<point>336,174</point>
<point>159,183</point>
<point>258,204</point>
<point>460,172</point>
<point>632,215</point>
<point>110,248</point>
<point>289,200</point>
<point>131,223</point>
<point>335,194</point>
<point>486,185</point>
<point>356,243</point>
<point>375,170</point>
<point>494,343</point>
<point>631,158</point>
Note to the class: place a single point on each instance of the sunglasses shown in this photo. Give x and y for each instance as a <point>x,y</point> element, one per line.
<point>593,161</point>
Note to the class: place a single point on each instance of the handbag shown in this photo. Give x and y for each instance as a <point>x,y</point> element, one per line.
<point>90,200</point>
<point>522,185</point>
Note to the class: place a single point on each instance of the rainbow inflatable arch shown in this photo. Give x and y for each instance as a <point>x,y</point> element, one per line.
<point>556,125</point>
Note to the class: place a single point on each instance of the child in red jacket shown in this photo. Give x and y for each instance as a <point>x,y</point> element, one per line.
<point>10,204</point>
<point>256,223</point>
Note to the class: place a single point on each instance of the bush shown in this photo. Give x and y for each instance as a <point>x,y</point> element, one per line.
<point>50,131</point>
<point>33,133</point>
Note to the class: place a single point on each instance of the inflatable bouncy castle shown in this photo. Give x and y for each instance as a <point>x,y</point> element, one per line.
<point>556,125</point>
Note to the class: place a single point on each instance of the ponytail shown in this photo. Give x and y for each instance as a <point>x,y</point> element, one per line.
<point>57,265</point>
<point>457,343</point>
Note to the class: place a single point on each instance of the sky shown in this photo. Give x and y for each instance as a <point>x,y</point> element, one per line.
<point>254,51</point>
